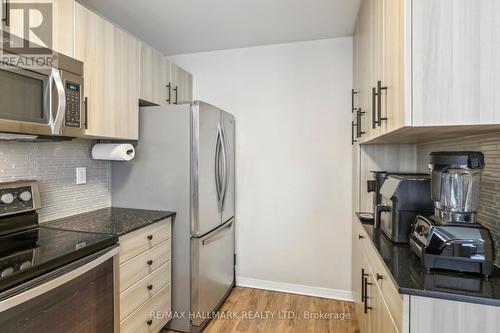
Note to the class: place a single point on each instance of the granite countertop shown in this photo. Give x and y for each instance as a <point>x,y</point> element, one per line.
<point>411,277</point>
<point>111,220</point>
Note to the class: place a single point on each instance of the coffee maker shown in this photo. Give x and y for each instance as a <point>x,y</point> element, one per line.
<point>403,198</point>
<point>452,239</point>
<point>375,185</point>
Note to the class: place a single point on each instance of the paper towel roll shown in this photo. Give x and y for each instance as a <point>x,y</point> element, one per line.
<point>113,151</point>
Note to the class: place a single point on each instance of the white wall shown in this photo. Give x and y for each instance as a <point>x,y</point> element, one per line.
<point>293,159</point>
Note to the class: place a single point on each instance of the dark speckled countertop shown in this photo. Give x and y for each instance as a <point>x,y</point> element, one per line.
<point>111,220</point>
<point>412,279</point>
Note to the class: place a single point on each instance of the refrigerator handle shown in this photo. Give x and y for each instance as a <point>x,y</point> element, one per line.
<point>225,153</point>
<point>218,146</point>
<point>218,235</point>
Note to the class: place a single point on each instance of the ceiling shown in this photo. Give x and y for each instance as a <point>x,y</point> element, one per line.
<point>187,26</point>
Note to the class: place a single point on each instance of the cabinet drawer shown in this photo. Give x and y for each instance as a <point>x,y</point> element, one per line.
<point>138,267</point>
<point>143,290</point>
<point>141,320</point>
<point>143,239</point>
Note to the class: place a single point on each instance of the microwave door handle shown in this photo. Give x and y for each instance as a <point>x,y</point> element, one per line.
<point>61,106</point>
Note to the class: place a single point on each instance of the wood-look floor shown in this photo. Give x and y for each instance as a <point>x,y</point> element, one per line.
<point>250,307</point>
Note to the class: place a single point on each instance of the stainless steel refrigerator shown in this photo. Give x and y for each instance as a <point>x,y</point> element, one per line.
<point>185,162</point>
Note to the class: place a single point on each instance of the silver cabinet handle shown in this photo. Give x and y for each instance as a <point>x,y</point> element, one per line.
<point>56,124</point>
<point>218,235</point>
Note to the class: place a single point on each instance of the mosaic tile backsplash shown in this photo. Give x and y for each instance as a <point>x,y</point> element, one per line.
<point>54,165</point>
<point>489,204</point>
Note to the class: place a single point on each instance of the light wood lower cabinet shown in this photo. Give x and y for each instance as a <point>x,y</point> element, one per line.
<point>443,316</point>
<point>145,278</point>
<point>381,309</point>
<point>142,320</point>
<point>144,264</point>
<point>378,309</point>
<point>142,290</point>
<point>360,270</point>
<point>381,320</point>
<point>135,243</point>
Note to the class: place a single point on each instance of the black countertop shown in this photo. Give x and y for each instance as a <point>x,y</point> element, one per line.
<point>111,220</point>
<point>411,278</point>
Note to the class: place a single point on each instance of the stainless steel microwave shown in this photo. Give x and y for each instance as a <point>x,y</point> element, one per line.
<point>44,101</point>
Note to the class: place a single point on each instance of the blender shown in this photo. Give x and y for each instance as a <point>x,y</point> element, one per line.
<point>452,239</point>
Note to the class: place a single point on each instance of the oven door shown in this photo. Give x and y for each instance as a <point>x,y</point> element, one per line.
<point>32,102</point>
<point>80,297</point>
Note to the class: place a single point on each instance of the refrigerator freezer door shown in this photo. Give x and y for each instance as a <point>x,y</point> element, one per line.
<point>205,156</point>
<point>212,270</point>
<point>227,125</point>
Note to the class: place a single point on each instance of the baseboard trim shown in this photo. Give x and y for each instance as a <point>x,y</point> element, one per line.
<point>341,295</point>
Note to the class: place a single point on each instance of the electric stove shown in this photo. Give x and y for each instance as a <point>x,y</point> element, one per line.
<point>29,250</point>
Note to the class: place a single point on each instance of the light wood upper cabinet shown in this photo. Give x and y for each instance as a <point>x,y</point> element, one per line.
<point>456,62</point>
<point>111,65</point>
<point>182,85</point>
<point>62,22</point>
<point>64,27</point>
<point>367,65</point>
<point>438,63</point>
<point>163,82</point>
<point>392,100</point>
<point>155,74</point>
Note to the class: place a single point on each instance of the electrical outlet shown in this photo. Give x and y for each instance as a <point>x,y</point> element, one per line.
<point>81,176</point>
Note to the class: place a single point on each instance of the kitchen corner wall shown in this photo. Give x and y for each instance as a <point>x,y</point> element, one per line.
<point>489,206</point>
<point>293,159</point>
<point>54,164</point>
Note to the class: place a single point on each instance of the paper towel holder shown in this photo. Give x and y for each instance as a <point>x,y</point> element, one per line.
<point>132,142</point>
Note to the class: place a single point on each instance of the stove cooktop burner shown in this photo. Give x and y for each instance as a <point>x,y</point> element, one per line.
<point>31,253</point>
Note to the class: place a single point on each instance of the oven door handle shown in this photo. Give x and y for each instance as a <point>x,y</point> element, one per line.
<point>29,294</point>
<point>56,124</point>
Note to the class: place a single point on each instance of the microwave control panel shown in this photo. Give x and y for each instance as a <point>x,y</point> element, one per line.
<point>72,105</point>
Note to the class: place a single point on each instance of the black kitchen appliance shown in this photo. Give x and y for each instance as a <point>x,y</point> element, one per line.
<point>374,185</point>
<point>52,280</point>
<point>452,238</point>
<point>403,197</point>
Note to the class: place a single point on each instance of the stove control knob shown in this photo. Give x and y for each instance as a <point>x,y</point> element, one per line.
<point>7,198</point>
<point>25,265</point>
<point>24,196</point>
<point>6,272</point>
